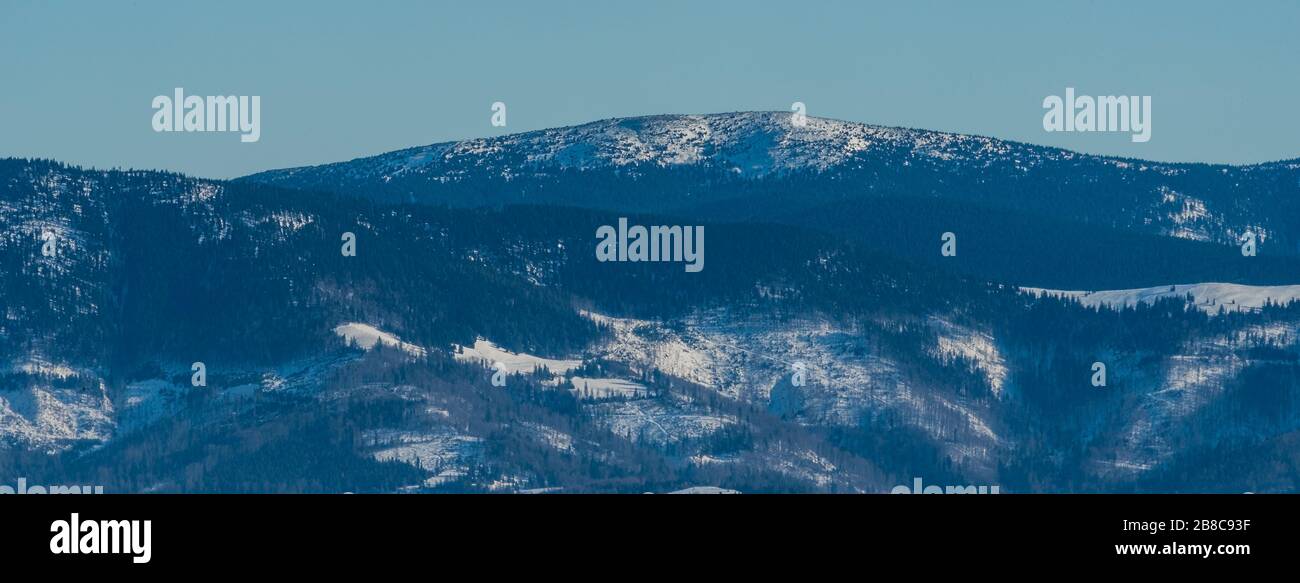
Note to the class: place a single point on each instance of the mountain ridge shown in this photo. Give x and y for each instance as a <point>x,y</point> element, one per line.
<point>677,162</point>
<point>772,121</point>
<point>683,378</point>
<point>761,166</point>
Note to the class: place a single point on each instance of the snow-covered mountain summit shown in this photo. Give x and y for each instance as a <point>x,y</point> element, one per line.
<point>751,143</point>
<point>679,162</point>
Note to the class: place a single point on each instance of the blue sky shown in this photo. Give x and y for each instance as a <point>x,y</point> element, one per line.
<point>342,80</point>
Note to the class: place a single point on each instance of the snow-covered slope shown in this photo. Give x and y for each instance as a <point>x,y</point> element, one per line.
<point>1212,203</point>
<point>750,143</point>
<point>49,418</point>
<point>489,354</point>
<point>366,337</point>
<point>746,143</point>
<point>1212,298</point>
<point>749,358</point>
<point>704,490</point>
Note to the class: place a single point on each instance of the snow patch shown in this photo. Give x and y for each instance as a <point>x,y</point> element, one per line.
<point>484,351</point>
<point>705,490</point>
<point>606,388</point>
<point>367,337</point>
<point>51,419</point>
<point>1208,297</point>
<point>977,347</point>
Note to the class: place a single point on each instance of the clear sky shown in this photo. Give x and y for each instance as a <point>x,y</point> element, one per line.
<point>342,80</point>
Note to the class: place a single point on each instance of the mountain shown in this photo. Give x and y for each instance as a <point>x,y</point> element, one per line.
<point>475,342</point>
<point>720,157</point>
<point>1020,210</point>
<point>153,272</point>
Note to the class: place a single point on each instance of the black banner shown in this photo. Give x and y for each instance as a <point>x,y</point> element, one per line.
<point>165,534</point>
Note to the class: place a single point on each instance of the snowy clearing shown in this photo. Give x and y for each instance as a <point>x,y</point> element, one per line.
<point>1209,297</point>
<point>366,337</point>
<point>485,351</point>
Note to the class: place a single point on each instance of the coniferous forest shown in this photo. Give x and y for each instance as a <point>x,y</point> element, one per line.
<point>377,370</point>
